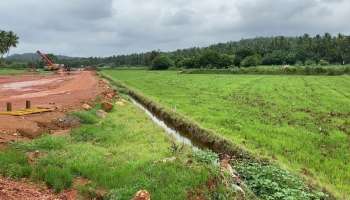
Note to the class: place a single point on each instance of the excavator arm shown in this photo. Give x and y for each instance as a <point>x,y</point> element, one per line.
<point>47,60</point>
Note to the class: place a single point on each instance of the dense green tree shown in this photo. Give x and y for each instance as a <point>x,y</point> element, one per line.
<point>161,62</point>
<point>253,60</point>
<point>7,40</point>
<point>274,51</point>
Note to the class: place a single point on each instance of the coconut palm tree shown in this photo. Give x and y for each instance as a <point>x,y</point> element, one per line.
<point>3,36</point>
<point>12,41</point>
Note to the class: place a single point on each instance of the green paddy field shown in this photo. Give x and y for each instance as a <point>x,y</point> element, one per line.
<point>301,122</point>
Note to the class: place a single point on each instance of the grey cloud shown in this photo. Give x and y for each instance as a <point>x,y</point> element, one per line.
<point>106,27</point>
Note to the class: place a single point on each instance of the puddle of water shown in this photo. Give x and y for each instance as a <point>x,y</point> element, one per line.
<point>26,84</point>
<point>170,131</point>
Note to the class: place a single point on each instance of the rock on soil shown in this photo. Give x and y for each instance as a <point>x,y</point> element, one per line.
<point>86,106</point>
<point>101,114</point>
<point>67,121</point>
<point>142,195</point>
<point>106,106</point>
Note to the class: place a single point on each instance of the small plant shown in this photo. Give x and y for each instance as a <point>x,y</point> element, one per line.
<point>206,156</point>
<point>45,142</point>
<point>14,164</point>
<point>176,148</point>
<point>272,183</point>
<point>55,177</point>
<point>86,117</point>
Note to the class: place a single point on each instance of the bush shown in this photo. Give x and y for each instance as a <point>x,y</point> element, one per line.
<point>206,156</point>
<point>57,178</point>
<point>14,164</point>
<point>310,62</point>
<point>161,62</point>
<point>323,62</point>
<point>299,63</point>
<point>86,117</point>
<point>320,70</point>
<point>272,183</point>
<point>251,61</point>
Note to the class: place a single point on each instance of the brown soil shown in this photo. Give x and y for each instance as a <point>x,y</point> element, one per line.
<point>24,190</point>
<point>61,92</point>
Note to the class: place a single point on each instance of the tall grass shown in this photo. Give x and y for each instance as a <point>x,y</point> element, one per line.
<point>120,154</point>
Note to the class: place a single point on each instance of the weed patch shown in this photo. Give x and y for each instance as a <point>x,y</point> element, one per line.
<point>272,183</point>
<point>14,164</point>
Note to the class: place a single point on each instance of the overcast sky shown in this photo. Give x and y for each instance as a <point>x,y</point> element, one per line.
<point>107,27</point>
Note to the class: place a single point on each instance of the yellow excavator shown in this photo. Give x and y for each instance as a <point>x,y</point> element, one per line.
<point>50,65</point>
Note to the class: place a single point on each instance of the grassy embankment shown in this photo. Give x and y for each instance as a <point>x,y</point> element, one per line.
<point>300,121</point>
<point>120,154</point>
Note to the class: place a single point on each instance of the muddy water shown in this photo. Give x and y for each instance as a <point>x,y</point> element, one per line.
<point>170,131</point>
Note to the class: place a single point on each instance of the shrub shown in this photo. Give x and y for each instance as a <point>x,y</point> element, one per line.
<point>251,61</point>
<point>272,183</point>
<point>299,63</point>
<point>14,164</point>
<point>206,156</point>
<point>320,70</point>
<point>86,117</point>
<point>161,62</point>
<point>323,62</point>
<point>309,62</point>
<point>58,178</point>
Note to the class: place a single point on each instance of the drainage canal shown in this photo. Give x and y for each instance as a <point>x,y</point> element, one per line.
<point>170,131</point>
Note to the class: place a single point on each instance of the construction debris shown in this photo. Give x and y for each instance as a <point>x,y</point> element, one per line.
<point>27,111</point>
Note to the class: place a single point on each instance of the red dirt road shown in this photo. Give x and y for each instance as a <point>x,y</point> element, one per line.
<point>62,92</point>
<point>58,90</point>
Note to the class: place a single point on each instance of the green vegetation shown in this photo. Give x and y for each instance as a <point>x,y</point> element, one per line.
<point>271,182</point>
<point>280,50</point>
<point>10,71</point>
<point>300,121</point>
<point>8,39</point>
<point>250,61</point>
<point>161,62</point>
<point>274,70</point>
<point>121,154</point>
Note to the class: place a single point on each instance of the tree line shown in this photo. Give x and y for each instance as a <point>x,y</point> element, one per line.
<point>302,50</point>
<point>8,39</point>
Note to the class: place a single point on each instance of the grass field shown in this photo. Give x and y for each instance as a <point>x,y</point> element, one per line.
<point>120,154</point>
<point>7,71</point>
<point>303,122</point>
